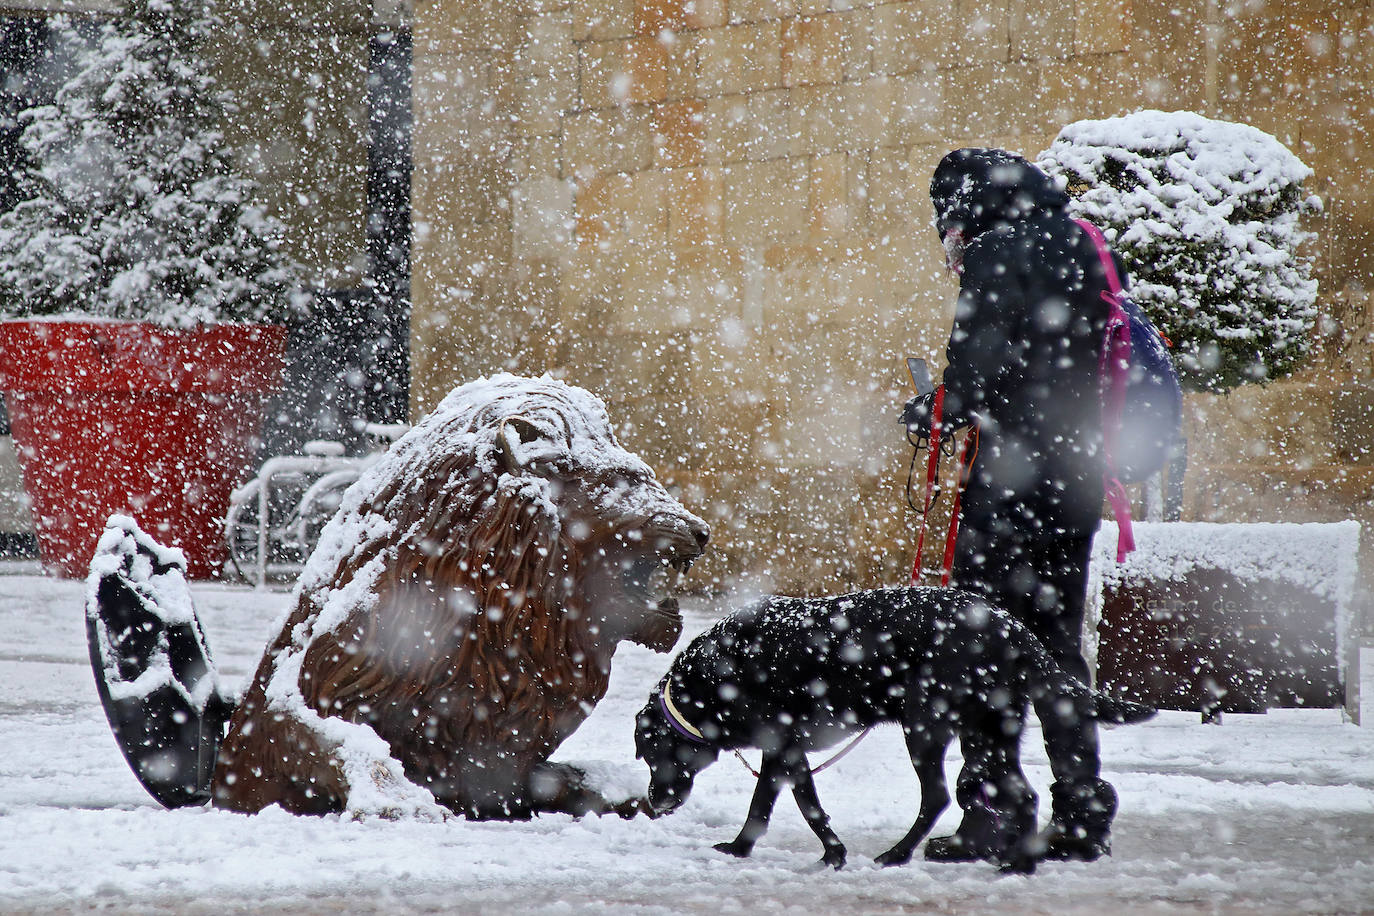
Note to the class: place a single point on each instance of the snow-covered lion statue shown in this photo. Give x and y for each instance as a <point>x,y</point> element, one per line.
<point>458,619</point>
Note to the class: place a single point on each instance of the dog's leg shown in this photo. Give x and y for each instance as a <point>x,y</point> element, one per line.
<point>926,743</point>
<point>760,808</point>
<point>1003,795</point>
<point>804,791</point>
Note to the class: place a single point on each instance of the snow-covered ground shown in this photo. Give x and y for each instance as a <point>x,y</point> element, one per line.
<point>1263,814</point>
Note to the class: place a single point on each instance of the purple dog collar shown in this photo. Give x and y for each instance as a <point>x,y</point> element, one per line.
<point>675,718</point>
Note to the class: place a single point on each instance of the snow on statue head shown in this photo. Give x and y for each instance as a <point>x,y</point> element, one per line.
<point>457,621</point>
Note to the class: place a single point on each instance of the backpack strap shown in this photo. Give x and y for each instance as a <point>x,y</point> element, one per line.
<point>1104,254</point>
<point>1114,366</point>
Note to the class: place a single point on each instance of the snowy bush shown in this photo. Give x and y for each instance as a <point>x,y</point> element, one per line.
<point>1206,216</point>
<point>130,205</point>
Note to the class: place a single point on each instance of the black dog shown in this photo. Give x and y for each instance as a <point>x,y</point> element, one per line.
<point>792,675</point>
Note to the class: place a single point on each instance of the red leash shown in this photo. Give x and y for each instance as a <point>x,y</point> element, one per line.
<point>966,456</point>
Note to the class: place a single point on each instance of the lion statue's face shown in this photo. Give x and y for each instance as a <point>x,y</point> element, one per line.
<point>631,536</point>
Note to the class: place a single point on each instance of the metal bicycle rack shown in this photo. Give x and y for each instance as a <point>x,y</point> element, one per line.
<point>275,519</point>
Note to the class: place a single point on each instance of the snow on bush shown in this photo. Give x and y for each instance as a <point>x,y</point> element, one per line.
<point>130,204</point>
<point>1205,215</point>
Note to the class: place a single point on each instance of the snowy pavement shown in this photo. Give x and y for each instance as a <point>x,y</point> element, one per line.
<point>1263,814</point>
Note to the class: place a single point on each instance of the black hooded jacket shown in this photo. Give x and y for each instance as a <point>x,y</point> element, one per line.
<point>1023,356</point>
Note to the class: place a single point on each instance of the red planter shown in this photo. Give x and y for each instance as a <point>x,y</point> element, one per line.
<point>112,416</point>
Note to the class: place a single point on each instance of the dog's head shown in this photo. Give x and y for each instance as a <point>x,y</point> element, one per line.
<point>674,755</point>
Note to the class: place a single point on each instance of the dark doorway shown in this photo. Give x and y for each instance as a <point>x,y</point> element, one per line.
<point>350,364</point>
<point>23,43</point>
<point>388,224</point>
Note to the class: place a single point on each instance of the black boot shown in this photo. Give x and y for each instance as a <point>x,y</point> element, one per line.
<point>1064,843</point>
<point>1080,827</point>
<point>1019,857</point>
<point>951,848</point>
<point>998,826</point>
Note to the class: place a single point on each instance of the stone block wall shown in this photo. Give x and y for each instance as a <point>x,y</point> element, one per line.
<point>713,213</point>
<point>299,74</point>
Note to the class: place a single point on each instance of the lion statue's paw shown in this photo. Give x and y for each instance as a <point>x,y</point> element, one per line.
<point>382,791</point>
<point>590,787</point>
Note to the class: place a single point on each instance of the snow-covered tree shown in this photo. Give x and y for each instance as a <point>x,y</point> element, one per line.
<point>131,204</point>
<point>1206,215</point>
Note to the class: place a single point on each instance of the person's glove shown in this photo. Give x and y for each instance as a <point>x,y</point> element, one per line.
<point>916,415</point>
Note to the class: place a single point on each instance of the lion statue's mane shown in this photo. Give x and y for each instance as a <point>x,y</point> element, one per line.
<point>457,621</point>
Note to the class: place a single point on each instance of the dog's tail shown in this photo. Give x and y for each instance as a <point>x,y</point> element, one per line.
<point>1055,692</point>
<point>152,665</point>
<point>1119,711</point>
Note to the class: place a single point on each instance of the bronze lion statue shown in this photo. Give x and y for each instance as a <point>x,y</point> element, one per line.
<point>455,624</point>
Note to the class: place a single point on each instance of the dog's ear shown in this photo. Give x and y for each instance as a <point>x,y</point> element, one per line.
<point>642,725</point>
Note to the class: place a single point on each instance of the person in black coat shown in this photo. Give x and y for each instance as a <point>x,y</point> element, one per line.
<point>1022,364</point>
